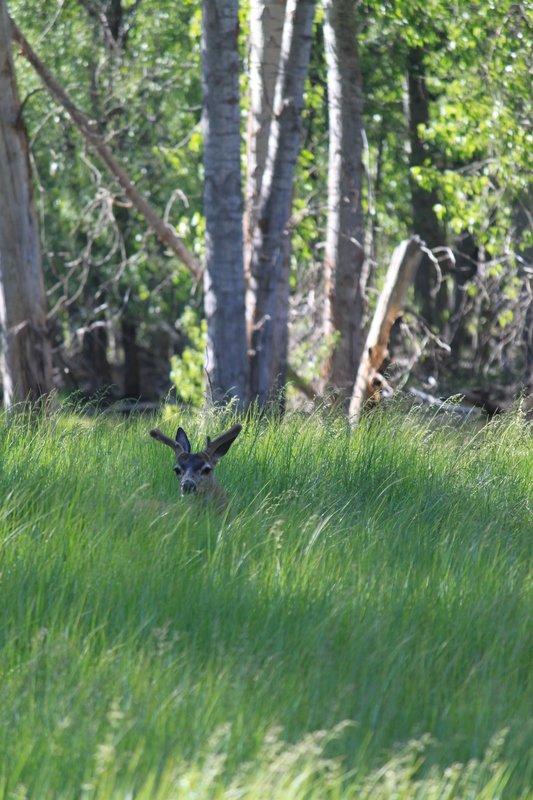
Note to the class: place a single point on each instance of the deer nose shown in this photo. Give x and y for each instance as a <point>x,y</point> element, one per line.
<point>188,486</point>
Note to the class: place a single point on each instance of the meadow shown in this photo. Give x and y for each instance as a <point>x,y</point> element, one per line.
<point>357,624</point>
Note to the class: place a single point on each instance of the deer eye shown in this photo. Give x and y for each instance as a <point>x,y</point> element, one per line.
<point>178,470</point>
<point>206,469</point>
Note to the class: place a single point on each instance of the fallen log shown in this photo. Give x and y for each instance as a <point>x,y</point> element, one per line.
<point>448,404</point>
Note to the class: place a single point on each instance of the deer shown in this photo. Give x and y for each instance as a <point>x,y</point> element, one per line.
<point>195,470</point>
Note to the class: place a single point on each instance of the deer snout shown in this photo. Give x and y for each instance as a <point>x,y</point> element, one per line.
<point>188,486</point>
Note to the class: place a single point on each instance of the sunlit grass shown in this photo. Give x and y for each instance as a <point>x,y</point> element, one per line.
<point>358,624</point>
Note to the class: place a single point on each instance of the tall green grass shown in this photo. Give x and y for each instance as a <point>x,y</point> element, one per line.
<point>358,624</point>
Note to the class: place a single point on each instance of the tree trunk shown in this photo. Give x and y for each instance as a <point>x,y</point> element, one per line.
<point>96,362</point>
<point>26,353</point>
<point>425,222</point>
<point>132,368</point>
<point>522,225</point>
<point>344,255</point>
<point>224,272</point>
<point>266,31</point>
<point>115,16</point>
<point>458,336</point>
<point>280,328</point>
<point>528,341</point>
<point>276,191</point>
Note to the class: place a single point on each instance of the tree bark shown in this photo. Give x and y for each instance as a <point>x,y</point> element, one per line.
<point>425,222</point>
<point>132,367</point>
<point>458,336</point>
<point>266,31</point>
<point>280,328</point>
<point>528,339</point>
<point>163,231</point>
<point>522,224</point>
<point>224,273</point>
<point>26,352</point>
<point>401,273</point>
<point>276,191</point>
<point>94,350</point>
<point>344,255</point>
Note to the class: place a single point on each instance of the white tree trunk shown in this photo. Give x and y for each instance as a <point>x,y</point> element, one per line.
<point>344,255</point>
<point>26,355</point>
<point>224,273</point>
<point>266,31</point>
<point>276,191</point>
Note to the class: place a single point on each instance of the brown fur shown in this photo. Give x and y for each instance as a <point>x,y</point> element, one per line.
<point>195,470</point>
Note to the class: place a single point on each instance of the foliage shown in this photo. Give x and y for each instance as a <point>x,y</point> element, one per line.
<point>482,124</point>
<point>356,625</point>
<point>187,370</point>
<point>479,143</point>
<point>144,93</point>
<point>99,260</point>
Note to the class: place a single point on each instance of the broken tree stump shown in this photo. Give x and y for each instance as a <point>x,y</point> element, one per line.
<point>400,275</point>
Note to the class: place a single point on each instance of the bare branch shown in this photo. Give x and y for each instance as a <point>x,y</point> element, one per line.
<point>164,232</point>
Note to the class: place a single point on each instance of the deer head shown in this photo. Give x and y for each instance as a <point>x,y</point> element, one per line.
<point>195,470</point>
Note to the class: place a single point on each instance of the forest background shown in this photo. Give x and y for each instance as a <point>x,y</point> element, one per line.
<point>391,118</point>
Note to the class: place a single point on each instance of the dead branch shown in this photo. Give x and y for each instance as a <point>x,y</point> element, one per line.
<point>164,232</point>
<point>400,275</point>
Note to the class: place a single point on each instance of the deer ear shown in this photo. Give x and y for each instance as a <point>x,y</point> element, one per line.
<point>220,446</point>
<point>183,440</point>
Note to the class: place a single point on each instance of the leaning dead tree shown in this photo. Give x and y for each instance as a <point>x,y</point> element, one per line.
<point>400,275</point>
<point>163,231</point>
